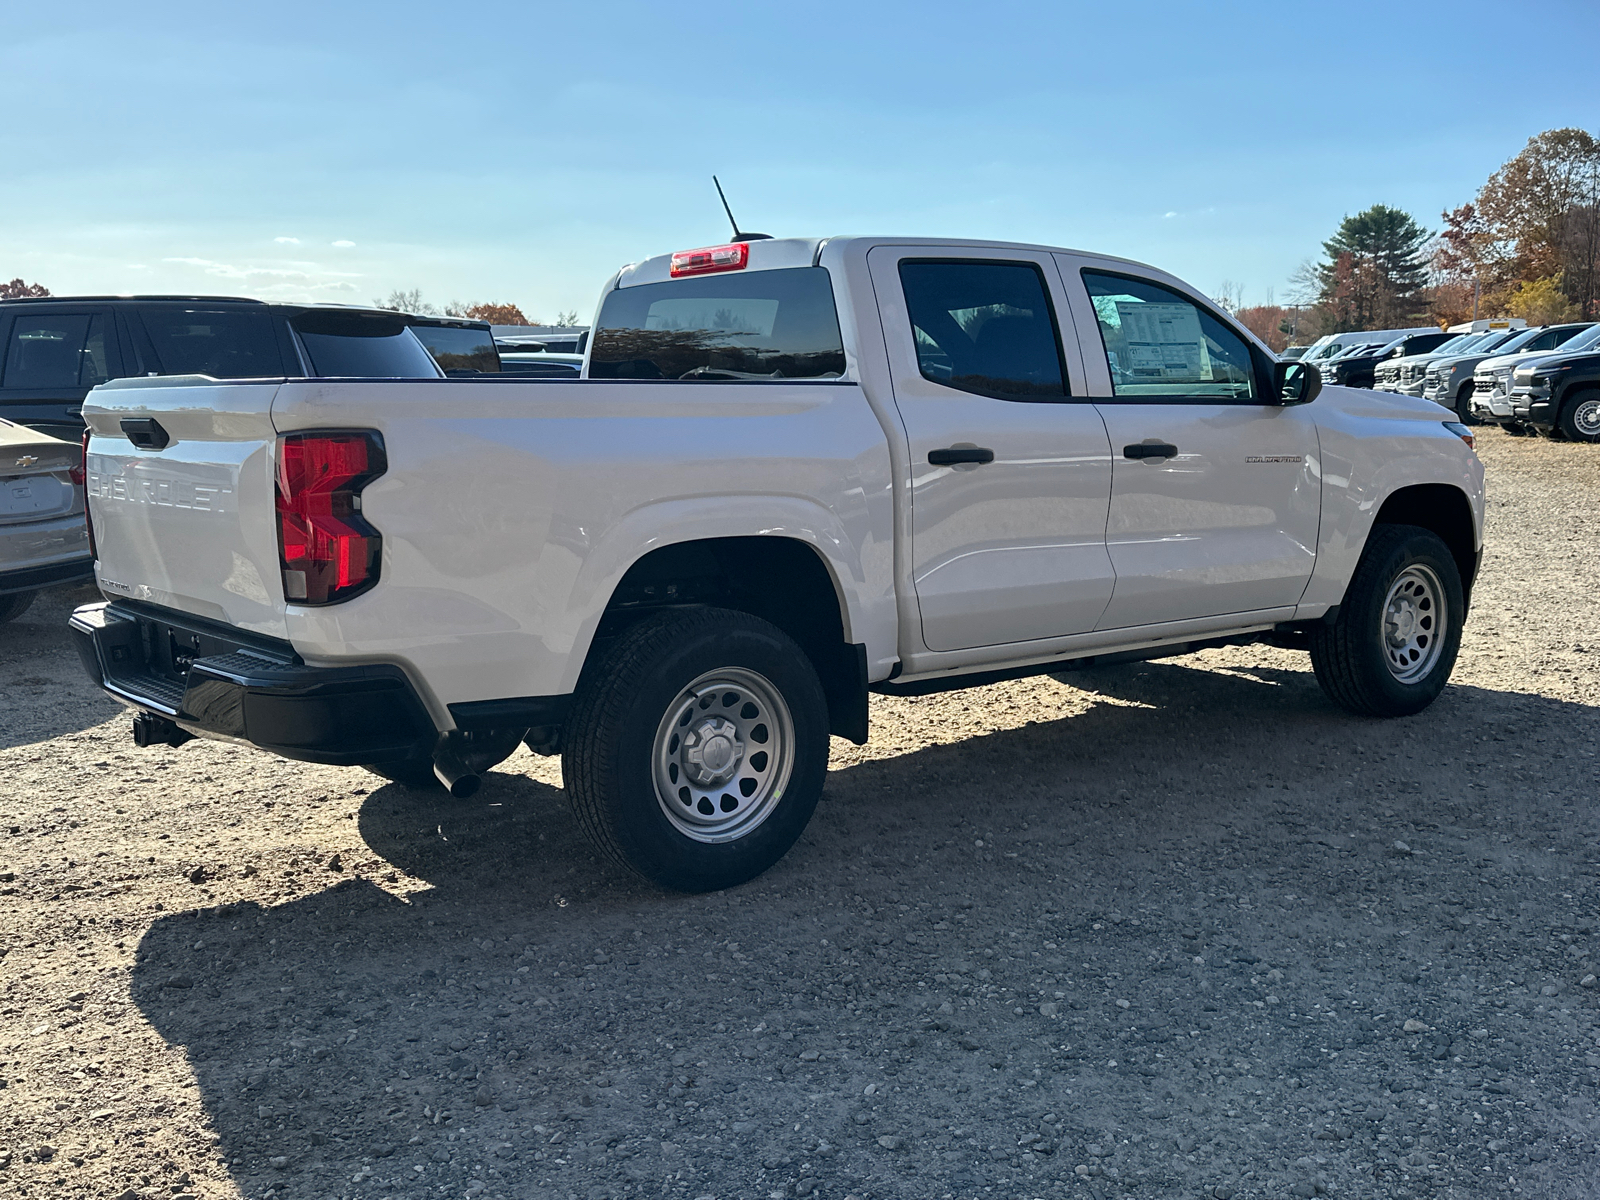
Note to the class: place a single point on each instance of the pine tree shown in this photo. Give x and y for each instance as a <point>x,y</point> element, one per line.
<point>1374,270</point>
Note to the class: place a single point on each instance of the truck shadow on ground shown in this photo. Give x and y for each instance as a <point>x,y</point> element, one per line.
<point>539,1023</point>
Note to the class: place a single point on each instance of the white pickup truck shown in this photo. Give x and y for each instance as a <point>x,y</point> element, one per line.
<point>794,472</point>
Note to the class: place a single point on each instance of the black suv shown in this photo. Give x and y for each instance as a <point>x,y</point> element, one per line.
<point>56,349</point>
<point>1360,370</point>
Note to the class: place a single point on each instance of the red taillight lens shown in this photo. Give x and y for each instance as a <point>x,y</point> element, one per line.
<point>328,551</point>
<point>704,261</point>
<point>80,476</point>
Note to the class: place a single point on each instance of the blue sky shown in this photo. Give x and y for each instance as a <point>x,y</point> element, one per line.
<point>338,150</point>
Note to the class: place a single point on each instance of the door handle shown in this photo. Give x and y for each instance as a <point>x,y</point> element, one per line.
<point>1150,450</point>
<point>960,454</point>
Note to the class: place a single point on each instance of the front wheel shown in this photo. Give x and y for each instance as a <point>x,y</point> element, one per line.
<point>1580,418</point>
<point>1464,406</point>
<point>696,751</point>
<point>1392,647</point>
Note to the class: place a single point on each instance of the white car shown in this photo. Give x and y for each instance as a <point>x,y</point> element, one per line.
<point>43,539</point>
<point>795,472</point>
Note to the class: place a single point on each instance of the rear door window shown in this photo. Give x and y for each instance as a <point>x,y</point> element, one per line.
<point>221,344</point>
<point>65,350</point>
<point>984,327</point>
<point>362,345</point>
<point>459,350</point>
<point>759,325</point>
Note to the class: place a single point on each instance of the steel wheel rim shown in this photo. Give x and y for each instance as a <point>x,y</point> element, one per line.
<point>722,755</point>
<point>1414,620</point>
<point>1586,418</point>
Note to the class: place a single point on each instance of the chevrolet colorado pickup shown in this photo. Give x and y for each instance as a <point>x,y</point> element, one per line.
<point>795,472</point>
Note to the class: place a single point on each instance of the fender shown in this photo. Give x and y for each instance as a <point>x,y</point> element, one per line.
<point>861,574</point>
<point>1370,449</point>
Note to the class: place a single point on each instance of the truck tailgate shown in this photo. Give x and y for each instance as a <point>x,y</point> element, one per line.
<point>188,519</point>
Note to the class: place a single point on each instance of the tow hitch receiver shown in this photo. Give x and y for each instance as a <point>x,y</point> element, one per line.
<point>151,730</point>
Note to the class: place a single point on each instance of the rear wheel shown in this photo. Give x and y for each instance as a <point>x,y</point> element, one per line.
<point>14,605</point>
<point>1580,417</point>
<point>696,751</point>
<point>1393,645</point>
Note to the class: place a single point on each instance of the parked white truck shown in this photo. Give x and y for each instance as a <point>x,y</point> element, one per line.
<point>796,472</point>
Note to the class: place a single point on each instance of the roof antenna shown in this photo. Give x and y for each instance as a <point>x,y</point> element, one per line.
<point>737,236</point>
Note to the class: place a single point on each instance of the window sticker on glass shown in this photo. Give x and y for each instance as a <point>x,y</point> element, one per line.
<point>1163,342</point>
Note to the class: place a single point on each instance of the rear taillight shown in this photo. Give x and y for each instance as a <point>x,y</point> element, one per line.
<point>328,551</point>
<point>731,257</point>
<point>80,476</point>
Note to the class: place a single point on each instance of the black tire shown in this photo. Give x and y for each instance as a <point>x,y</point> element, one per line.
<point>625,720</point>
<point>1358,665</point>
<point>1464,405</point>
<point>14,605</point>
<point>480,751</point>
<point>1580,417</point>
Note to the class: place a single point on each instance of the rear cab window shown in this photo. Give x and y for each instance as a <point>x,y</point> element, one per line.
<point>755,325</point>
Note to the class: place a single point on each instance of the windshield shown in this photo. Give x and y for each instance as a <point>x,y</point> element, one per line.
<point>1470,342</point>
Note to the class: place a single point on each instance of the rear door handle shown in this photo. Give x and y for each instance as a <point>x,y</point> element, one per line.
<point>1150,450</point>
<point>960,454</point>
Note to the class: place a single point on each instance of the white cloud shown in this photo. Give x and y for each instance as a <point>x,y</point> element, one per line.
<point>343,245</point>
<point>287,241</point>
<point>342,285</point>
<point>1168,216</point>
<point>229,271</point>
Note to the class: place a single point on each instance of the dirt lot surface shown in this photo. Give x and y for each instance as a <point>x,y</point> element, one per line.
<point>1180,930</point>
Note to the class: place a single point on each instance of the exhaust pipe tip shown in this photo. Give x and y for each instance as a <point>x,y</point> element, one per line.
<point>460,786</point>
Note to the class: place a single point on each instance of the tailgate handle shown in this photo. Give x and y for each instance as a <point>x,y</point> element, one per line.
<point>146,433</point>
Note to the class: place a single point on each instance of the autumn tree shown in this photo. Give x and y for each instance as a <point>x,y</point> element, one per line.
<point>18,289</point>
<point>1272,323</point>
<point>1538,218</point>
<point>491,311</point>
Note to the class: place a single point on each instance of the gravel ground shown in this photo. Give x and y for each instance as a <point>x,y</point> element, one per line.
<point>1180,930</point>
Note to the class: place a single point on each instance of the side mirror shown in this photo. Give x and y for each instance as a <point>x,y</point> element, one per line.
<point>1297,382</point>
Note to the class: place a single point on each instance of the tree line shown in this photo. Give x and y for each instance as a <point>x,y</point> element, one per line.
<point>492,311</point>
<point>1528,245</point>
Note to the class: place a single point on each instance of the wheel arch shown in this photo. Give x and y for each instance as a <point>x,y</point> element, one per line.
<point>1443,509</point>
<point>784,580</point>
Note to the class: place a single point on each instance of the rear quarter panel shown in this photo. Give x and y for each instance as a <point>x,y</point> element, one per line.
<point>511,510</point>
<point>1372,444</point>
